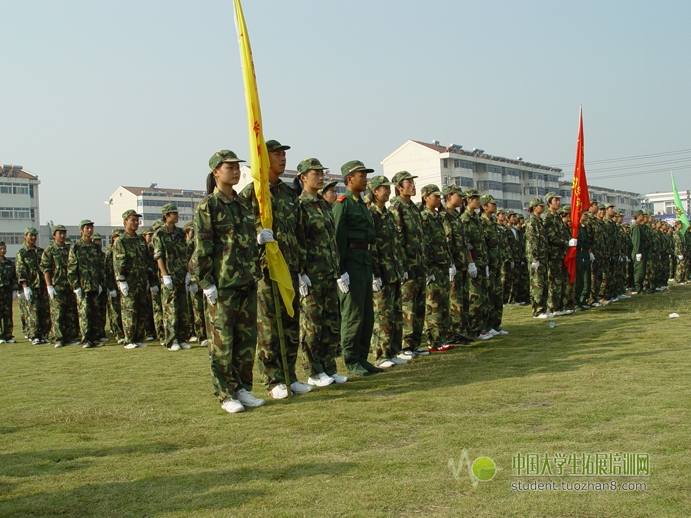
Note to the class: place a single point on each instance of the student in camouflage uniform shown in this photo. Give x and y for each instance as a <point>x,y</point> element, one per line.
<point>557,246</point>
<point>114,315</point>
<point>288,232</point>
<point>583,264</point>
<point>319,311</point>
<point>153,318</point>
<point>537,255</point>
<point>409,227</point>
<point>680,254</point>
<point>496,248</point>
<point>516,262</point>
<point>8,293</point>
<point>328,192</point>
<point>170,254</point>
<point>133,273</point>
<point>569,300</point>
<point>63,306</point>
<point>195,298</point>
<point>28,261</point>
<point>85,273</point>
<point>595,232</point>
<point>225,264</point>
<point>102,299</point>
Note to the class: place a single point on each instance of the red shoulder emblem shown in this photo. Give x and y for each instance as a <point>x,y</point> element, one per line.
<point>341,198</point>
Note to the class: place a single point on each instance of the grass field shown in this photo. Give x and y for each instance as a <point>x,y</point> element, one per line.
<point>111,432</point>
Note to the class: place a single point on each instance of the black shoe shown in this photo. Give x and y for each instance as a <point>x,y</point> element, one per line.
<point>370,368</point>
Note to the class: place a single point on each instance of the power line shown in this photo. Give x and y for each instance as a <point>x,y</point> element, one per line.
<point>629,158</point>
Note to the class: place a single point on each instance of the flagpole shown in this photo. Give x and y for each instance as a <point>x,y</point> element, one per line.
<point>281,337</point>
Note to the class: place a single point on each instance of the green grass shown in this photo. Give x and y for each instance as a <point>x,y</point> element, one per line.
<point>110,432</point>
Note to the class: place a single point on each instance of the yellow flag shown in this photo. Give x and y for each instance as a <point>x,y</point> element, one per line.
<point>259,162</point>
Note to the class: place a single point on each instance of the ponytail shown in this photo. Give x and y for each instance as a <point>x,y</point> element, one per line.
<point>297,185</point>
<point>210,183</point>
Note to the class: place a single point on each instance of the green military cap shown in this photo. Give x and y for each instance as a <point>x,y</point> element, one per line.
<point>550,195</point>
<point>188,226</point>
<point>535,202</point>
<point>501,211</point>
<point>565,210</point>
<point>472,193</point>
<point>378,181</point>
<point>354,166</point>
<point>452,189</point>
<point>310,163</point>
<point>58,228</point>
<point>224,155</point>
<point>327,187</point>
<point>608,205</point>
<point>400,176</point>
<point>168,208</point>
<point>85,222</point>
<point>97,236</point>
<point>156,225</point>
<point>637,213</point>
<point>487,198</point>
<point>510,213</point>
<point>430,189</point>
<point>30,230</point>
<point>275,145</point>
<point>593,201</point>
<point>520,216</point>
<point>130,212</point>
<point>145,230</point>
<point>117,232</point>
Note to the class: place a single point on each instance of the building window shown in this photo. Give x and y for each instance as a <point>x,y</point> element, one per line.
<point>512,187</point>
<point>489,186</point>
<point>465,182</point>
<point>14,188</point>
<point>445,163</point>
<point>495,169</point>
<point>15,213</point>
<point>12,238</point>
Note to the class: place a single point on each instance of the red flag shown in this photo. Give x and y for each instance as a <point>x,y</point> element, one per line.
<point>580,199</point>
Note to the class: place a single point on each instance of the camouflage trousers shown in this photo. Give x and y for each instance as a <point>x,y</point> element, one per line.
<point>387,333</point>
<point>523,282</point>
<point>357,315</point>
<point>268,345</point>
<point>87,309</point>
<point>24,315</point>
<point>195,302</point>
<point>538,289</point>
<point>557,279</point>
<point>6,324</point>
<point>63,316</point>
<point>458,305</point>
<point>101,313</point>
<point>680,270</point>
<point>232,332</point>
<point>176,317</point>
<point>320,322</point>
<point>437,306</point>
<point>38,312</point>
<point>597,269</point>
<point>583,278</point>
<point>413,306</point>
<point>478,303</point>
<point>114,317</point>
<point>154,316</point>
<point>134,312</point>
<point>495,298</point>
<point>510,280</point>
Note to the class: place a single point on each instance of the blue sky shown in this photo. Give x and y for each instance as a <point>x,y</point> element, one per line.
<point>101,94</point>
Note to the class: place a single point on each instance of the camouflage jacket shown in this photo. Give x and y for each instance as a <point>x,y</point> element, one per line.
<point>475,238</point>
<point>679,245</point>
<point>85,266</point>
<point>54,262</point>
<point>455,237</point>
<point>437,252</point>
<point>225,238</point>
<point>354,226</point>
<point>490,230</point>
<point>132,261</point>
<point>515,245</point>
<point>595,231</point>
<point>609,239</point>
<point>554,230</point>
<point>535,240</point>
<point>387,254</point>
<point>108,274</point>
<point>190,254</point>
<point>171,246</point>
<point>406,217</point>
<point>8,275</point>
<point>287,225</point>
<point>28,265</point>
<point>322,258</point>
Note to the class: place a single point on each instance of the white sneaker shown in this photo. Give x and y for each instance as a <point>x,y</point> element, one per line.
<point>422,352</point>
<point>121,341</point>
<point>624,297</point>
<point>131,346</point>
<point>406,355</point>
<point>232,406</point>
<point>205,343</point>
<point>300,388</point>
<point>386,364</point>
<point>484,336</point>
<point>247,399</point>
<point>174,347</point>
<point>57,344</point>
<point>339,379</point>
<point>185,345</point>
<point>397,361</point>
<point>149,338</point>
<point>103,339</point>
<point>194,339</point>
<point>36,341</point>
<point>11,341</point>
<point>45,341</point>
<point>321,380</point>
<point>279,391</point>
<point>493,332</point>
<point>544,315</point>
<point>634,293</point>
<point>503,332</point>
<point>2,341</point>
<point>141,344</point>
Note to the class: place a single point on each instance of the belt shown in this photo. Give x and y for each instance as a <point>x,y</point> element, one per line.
<point>359,246</point>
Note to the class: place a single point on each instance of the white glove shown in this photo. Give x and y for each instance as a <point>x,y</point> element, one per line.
<point>627,259</point>
<point>487,271</point>
<point>681,257</point>
<point>639,257</point>
<point>472,270</point>
<point>78,293</point>
<point>51,292</point>
<point>194,287</point>
<point>168,282</point>
<point>573,241</point>
<point>211,294</point>
<point>535,265</point>
<point>452,272</point>
<point>592,257</point>
<point>21,295</point>
<point>153,289</point>
<point>304,284</point>
<point>405,276</point>
<point>430,278</point>
<point>512,265</point>
<point>100,289</point>
<point>266,235</point>
<point>124,288</point>
<point>344,283</point>
<point>14,295</point>
<point>376,283</point>
<point>27,293</point>
<point>112,294</point>
<point>188,278</point>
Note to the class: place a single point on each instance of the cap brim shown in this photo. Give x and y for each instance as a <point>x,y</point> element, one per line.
<point>231,160</point>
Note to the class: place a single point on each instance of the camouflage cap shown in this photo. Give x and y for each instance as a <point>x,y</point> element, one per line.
<point>168,208</point>
<point>130,212</point>
<point>430,188</point>
<point>97,236</point>
<point>487,198</point>
<point>452,189</point>
<point>608,205</point>
<point>550,195</point>
<point>224,155</point>
<point>501,211</point>
<point>472,193</point>
<point>30,230</point>
<point>637,213</point>
<point>378,181</point>
<point>275,145</point>
<point>156,225</point>
<point>310,163</point>
<point>354,166</point>
<point>145,230</point>
<point>327,187</point>
<point>519,215</point>
<point>400,176</point>
<point>593,201</point>
<point>59,228</point>
<point>85,222</point>
<point>565,210</point>
<point>601,206</point>
<point>510,213</point>
<point>188,226</point>
<point>535,202</point>
<point>117,232</point>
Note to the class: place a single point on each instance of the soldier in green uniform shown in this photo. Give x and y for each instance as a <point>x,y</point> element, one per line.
<point>319,312</point>
<point>557,247</point>
<point>170,254</point>
<point>102,299</point>
<point>328,192</point>
<point>679,252</point>
<point>85,273</point>
<point>496,247</point>
<point>63,307</point>
<point>153,318</point>
<point>569,301</point>
<point>597,245</point>
<point>523,296</point>
<point>8,293</point>
<point>28,265</point>
<point>516,261</point>
<point>355,237</point>
<point>195,298</point>
<point>537,255</point>
<point>288,232</point>
<point>583,264</point>
<point>225,264</point>
<point>114,315</point>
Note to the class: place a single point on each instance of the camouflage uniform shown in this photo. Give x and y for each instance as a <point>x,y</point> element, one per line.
<point>28,261</point>
<point>536,252</point>
<point>63,307</point>
<point>514,265</point>
<point>680,250</point>
<point>226,257</point>
<point>153,319</point>
<point>639,241</point>
<point>195,299</point>
<point>8,286</point>
<point>583,267</point>
<point>493,242</point>
<point>607,288</point>
<point>319,311</point>
<point>596,234</point>
<point>114,315</point>
<point>478,317</point>
<point>458,299</point>
<point>102,298</point>
<point>557,275</point>
<point>85,272</point>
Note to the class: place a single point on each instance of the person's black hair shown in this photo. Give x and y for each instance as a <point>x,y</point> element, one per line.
<point>210,183</point>
<point>297,185</point>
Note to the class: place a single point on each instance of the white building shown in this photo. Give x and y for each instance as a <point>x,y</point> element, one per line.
<point>287,177</point>
<point>627,201</point>
<point>662,203</point>
<point>148,203</point>
<point>18,205</point>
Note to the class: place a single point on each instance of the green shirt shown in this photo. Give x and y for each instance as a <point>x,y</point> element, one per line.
<point>354,225</point>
